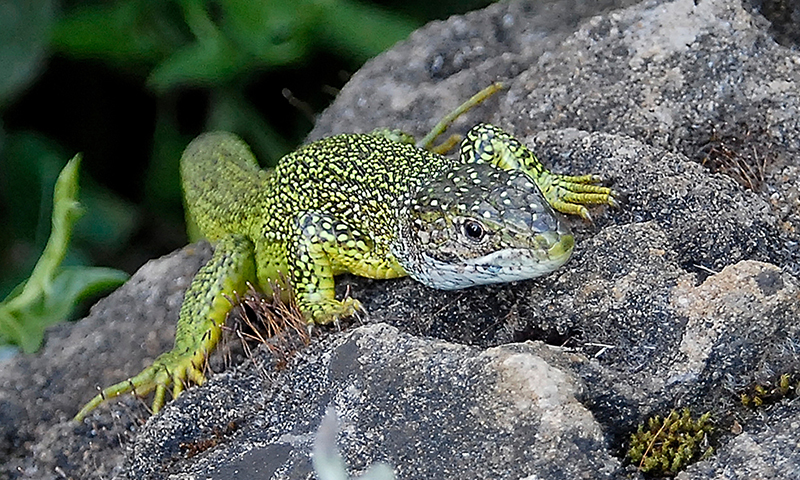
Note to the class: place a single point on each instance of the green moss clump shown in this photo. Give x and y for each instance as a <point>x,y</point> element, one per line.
<point>758,395</point>
<point>665,446</point>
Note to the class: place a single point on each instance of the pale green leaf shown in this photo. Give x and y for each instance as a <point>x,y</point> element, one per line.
<point>51,292</point>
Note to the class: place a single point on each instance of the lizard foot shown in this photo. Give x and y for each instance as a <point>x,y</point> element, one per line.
<point>569,194</point>
<point>325,311</point>
<point>176,368</point>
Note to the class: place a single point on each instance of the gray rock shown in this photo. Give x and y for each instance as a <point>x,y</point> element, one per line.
<point>687,296</point>
<point>743,329</point>
<point>403,399</point>
<point>767,449</point>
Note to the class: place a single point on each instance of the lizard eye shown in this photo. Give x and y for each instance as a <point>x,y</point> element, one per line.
<point>473,230</point>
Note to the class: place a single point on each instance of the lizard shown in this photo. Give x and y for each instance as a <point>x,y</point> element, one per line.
<point>375,205</point>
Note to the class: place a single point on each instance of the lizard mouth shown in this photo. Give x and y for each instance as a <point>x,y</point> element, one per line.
<point>562,248</point>
<point>550,251</point>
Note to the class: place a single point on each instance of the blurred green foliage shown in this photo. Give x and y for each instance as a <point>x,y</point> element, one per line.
<point>130,82</point>
<point>51,292</point>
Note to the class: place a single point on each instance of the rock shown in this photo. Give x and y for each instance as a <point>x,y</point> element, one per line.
<point>402,399</point>
<point>768,449</point>
<point>686,296</point>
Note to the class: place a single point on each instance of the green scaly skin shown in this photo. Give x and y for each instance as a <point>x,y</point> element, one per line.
<point>370,204</point>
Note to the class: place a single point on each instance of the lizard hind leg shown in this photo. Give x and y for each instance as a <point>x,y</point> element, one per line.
<point>204,310</point>
<point>426,143</point>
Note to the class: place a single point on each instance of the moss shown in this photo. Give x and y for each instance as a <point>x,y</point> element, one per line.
<point>785,386</point>
<point>664,446</point>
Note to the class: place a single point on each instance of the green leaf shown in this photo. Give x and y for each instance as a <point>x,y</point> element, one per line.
<point>26,326</point>
<point>51,292</point>
<point>210,60</point>
<point>66,211</point>
<point>74,284</point>
<point>276,32</point>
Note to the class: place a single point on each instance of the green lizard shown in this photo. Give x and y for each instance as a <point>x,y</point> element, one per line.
<point>373,205</point>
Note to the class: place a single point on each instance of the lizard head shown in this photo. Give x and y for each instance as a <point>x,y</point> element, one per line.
<point>477,224</point>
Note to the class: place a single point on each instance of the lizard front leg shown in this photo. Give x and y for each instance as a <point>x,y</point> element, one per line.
<point>323,246</point>
<point>205,307</point>
<point>565,193</point>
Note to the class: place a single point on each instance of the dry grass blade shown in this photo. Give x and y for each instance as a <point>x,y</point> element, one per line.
<point>731,149</point>
<point>277,324</point>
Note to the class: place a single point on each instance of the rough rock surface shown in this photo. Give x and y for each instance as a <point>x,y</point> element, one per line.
<point>687,296</point>
<point>402,399</point>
